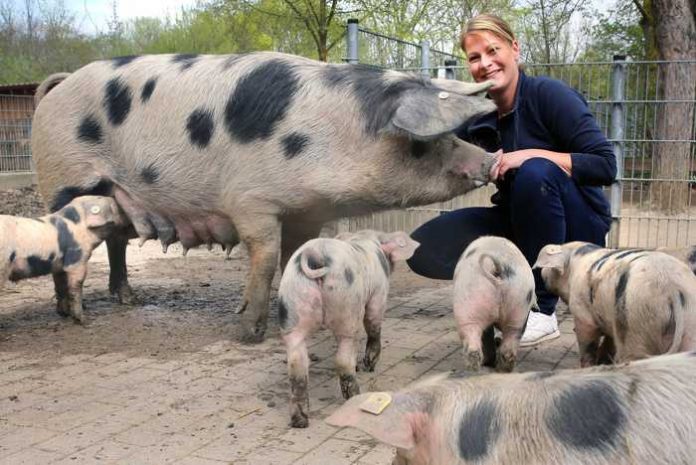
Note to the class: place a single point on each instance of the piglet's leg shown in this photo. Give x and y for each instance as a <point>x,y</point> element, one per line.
<point>507,353</point>
<point>60,281</point>
<point>76,277</point>
<point>588,335</point>
<point>374,314</point>
<point>298,372</point>
<point>471,345</point>
<point>345,366</point>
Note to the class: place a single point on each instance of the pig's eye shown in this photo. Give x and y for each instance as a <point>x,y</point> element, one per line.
<point>419,148</point>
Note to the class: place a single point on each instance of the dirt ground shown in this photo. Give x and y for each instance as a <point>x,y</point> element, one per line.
<point>185,303</point>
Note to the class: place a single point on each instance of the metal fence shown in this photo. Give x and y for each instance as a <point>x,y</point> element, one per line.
<point>16,112</point>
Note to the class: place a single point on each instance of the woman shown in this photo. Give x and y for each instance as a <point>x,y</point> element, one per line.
<point>554,158</point>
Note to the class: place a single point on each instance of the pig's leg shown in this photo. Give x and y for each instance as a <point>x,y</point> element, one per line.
<point>507,352</point>
<point>118,275</point>
<point>76,277</point>
<point>345,366</point>
<point>294,234</point>
<point>60,282</point>
<point>298,372</point>
<point>588,335</point>
<point>472,345</point>
<point>374,314</point>
<point>262,238</point>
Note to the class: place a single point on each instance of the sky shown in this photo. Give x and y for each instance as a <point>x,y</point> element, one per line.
<point>94,15</point>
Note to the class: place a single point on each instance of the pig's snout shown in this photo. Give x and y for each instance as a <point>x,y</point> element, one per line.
<point>478,173</point>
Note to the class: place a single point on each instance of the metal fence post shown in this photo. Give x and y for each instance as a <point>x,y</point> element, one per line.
<point>425,57</point>
<point>449,70</point>
<point>352,42</point>
<point>618,77</point>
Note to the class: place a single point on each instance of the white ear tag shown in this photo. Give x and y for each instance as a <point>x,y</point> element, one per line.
<point>376,403</point>
<point>443,95</point>
<point>95,210</point>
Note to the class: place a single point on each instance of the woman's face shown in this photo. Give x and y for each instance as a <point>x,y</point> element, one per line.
<point>492,58</point>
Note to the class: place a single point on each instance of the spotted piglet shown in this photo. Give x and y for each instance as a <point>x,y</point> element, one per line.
<point>341,284</point>
<point>493,287</point>
<point>641,413</point>
<point>643,301</point>
<point>59,244</point>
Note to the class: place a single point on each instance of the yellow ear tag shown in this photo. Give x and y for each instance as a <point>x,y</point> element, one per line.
<point>376,403</point>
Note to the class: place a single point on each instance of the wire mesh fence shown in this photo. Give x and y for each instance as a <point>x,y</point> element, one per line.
<point>15,132</point>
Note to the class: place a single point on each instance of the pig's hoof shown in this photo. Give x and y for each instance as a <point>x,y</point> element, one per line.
<point>473,361</point>
<point>126,297</point>
<point>62,311</point>
<point>299,420</point>
<point>505,363</point>
<point>256,337</point>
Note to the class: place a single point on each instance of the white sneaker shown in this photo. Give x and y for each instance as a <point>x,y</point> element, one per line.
<point>540,328</point>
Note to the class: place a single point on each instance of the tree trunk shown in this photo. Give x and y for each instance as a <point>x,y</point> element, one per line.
<point>676,40</point>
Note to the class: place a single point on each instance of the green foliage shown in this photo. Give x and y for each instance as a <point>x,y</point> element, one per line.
<point>615,32</point>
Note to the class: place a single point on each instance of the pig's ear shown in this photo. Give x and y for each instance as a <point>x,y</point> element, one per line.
<point>393,426</point>
<point>398,245</point>
<point>98,214</point>
<point>463,88</point>
<point>551,256</point>
<point>428,113</point>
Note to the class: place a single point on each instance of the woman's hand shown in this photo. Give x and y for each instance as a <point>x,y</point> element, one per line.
<point>512,160</point>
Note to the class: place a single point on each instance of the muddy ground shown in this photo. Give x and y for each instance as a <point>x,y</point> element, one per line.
<point>185,303</point>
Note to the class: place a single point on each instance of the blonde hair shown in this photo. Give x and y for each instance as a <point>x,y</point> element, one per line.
<point>488,23</point>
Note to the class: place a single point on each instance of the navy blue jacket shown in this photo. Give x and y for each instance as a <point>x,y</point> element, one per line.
<point>548,114</point>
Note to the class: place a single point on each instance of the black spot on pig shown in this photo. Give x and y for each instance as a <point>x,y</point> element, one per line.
<point>598,264</point>
<point>379,98</point>
<point>502,270</point>
<point>620,302</point>
<point>71,214</point>
<point>148,89</point>
<point>90,130</point>
<point>471,252</point>
<point>69,249</point>
<point>314,262</point>
<point>682,298</point>
<point>66,194</point>
<point>384,262</point>
<point>478,431</point>
<point>671,324</point>
<point>36,266</point>
<point>585,249</point>
<point>282,314</point>
<point>294,143</point>
<point>200,127</point>
<point>13,255</point>
<point>530,294</point>
<point>123,61</point>
<point>185,59</point>
<point>419,148</point>
<point>628,253</point>
<point>117,101</point>
<point>260,100</point>
<point>150,174</point>
<point>348,273</point>
<point>587,417</point>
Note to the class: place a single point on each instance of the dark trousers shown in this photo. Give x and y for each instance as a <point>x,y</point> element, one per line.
<point>546,207</point>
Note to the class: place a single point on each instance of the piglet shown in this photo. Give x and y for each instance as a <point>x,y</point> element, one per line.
<point>641,301</point>
<point>493,286</point>
<point>341,284</point>
<point>640,413</point>
<point>59,244</point>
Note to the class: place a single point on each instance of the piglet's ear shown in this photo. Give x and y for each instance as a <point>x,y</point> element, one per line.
<point>398,245</point>
<point>392,426</point>
<point>551,256</point>
<point>97,214</point>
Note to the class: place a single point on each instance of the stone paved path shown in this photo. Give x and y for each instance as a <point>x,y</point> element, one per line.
<point>223,403</point>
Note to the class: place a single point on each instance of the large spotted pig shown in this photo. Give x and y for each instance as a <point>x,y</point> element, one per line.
<point>642,413</point>
<point>263,147</point>
<point>643,301</point>
<point>493,286</point>
<point>341,284</point>
<point>59,244</point>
